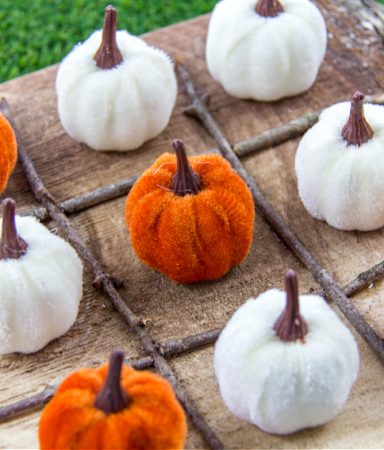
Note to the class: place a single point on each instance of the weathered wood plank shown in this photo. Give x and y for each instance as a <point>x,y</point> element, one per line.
<point>353,60</point>
<point>356,427</point>
<point>176,310</point>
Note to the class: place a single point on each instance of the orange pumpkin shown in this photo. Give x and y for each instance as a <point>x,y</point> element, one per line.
<point>8,151</point>
<point>113,407</point>
<point>190,218</point>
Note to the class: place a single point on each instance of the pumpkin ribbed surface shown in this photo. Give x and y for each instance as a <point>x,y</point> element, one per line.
<point>153,420</point>
<point>195,237</point>
<point>8,151</point>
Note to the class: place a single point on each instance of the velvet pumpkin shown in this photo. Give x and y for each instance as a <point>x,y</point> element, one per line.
<point>286,362</point>
<point>41,283</point>
<point>190,218</point>
<point>115,91</point>
<point>265,49</point>
<point>8,151</point>
<point>113,407</point>
<point>340,163</point>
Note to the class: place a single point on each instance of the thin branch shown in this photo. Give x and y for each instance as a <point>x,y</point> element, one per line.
<point>364,279</point>
<point>105,282</point>
<point>89,199</point>
<point>286,132</point>
<point>263,141</point>
<point>189,343</point>
<point>178,347</point>
<point>93,198</point>
<point>27,404</point>
<point>122,188</point>
<point>278,135</point>
<point>170,348</point>
<point>277,223</point>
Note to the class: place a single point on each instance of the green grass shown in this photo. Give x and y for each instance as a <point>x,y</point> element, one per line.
<point>37,33</point>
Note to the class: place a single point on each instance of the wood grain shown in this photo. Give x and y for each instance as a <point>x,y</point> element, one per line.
<point>343,432</point>
<point>353,60</point>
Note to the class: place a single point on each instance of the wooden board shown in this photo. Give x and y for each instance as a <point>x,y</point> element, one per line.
<point>354,60</point>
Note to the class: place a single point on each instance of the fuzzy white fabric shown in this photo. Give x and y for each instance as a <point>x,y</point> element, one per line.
<point>39,292</point>
<point>119,108</point>
<point>343,185</point>
<point>284,387</point>
<point>265,58</point>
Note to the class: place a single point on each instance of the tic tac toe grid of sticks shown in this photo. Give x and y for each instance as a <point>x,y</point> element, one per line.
<point>159,353</point>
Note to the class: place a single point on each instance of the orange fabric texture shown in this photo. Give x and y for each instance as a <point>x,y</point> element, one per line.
<point>8,151</point>
<point>153,420</point>
<point>197,237</point>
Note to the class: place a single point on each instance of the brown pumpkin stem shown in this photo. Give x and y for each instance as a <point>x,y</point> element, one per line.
<point>291,326</point>
<point>12,246</point>
<point>357,130</point>
<point>269,8</point>
<point>108,55</point>
<point>112,398</point>
<point>185,181</point>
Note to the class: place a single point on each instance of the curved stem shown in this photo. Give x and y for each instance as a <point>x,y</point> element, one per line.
<point>108,55</point>
<point>291,326</point>
<point>185,181</point>
<point>12,246</point>
<point>269,8</point>
<point>112,398</point>
<point>357,130</point>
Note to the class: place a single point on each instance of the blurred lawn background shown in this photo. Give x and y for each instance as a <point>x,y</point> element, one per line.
<point>37,33</point>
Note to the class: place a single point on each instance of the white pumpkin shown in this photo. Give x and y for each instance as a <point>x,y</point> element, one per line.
<point>265,58</point>
<point>119,96</point>
<point>339,174</point>
<point>281,370</point>
<point>40,284</point>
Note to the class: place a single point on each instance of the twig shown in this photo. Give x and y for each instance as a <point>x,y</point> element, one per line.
<point>278,135</point>
<point>44,197</point>
<point>189,343</point>
<point>286,132</point>
<point>122,187</point>
<point>170,348</point>
<point>277,223</point>
<point>115,190</point>
<point>27,404</point>
<point>179,347</point>
<point>364,279</point>
<point>263,141</point>
<point>93,198</point>
<point>175,347</point>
